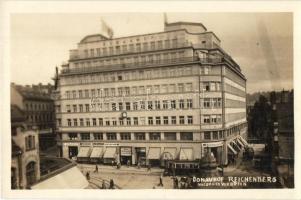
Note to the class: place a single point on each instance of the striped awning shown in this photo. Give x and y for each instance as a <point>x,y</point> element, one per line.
<point>84,152</point>
<point>243,141</point>
<point>97,152</point>
<point>154,153</point>
<point>241,144</point>
<point>186,154</point>
<point>169,153</point>
<point>110,152</point>
<point>232,149</point>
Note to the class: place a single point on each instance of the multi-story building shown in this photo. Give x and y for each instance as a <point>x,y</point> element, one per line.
<point>38,106</point>
<point>25,163</point>
<point>145,98</point>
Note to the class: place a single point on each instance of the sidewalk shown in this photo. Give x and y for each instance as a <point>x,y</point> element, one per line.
<point>123,169</point>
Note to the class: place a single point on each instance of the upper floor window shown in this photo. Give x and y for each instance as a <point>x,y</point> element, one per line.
<point>85,136</point>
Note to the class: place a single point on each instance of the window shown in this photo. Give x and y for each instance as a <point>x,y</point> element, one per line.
<point>106,92</point>
<point>81,122</point>
<point>182,119</point>
<point>125,136</point>
<point>215,135</point>
<point>186,136</point>
<point>174,42</point>
<point>154,136</point>
<point>158,120</point>
<point>181,103</point>
<point>87,107</point>
<point>190,119</point>
<point>114,121</point>
<point>135,120</point>
<point>85,136</point>
<point>218,118</point>
<point>120,105</point>
<point>107,122</point>
<point>206,103</point>
<point>142,105</point>
<point>68,94</point>
<point>173,120</point>
<point>206,119</point>
<point>173,104</point>
<point>135,105</point>
<point>165,104</point>
<point>72,136</point>
<point>149,89</point>
<point>74,94</point>
<point>141,90</point>
<point>128,121</point>
<point>145,46</point>
<point>30,142</point>
<point>69,122</point>
<point>87,122</point>
<point>142,120</point>
<point>75,122</point>
<point>127,91</point>
<point>172,88</point>
<point>149,105</point>
<point>127,105</point>
<point>100,121</point>
<point>181,87</point>
<point>189,103</point>
<point>111,136</point>
<point>153,46</point>
<point>207,135</point>
<point>113,92</point>
<point>134,90</point>
<point>94,121</point>
<point>139,136</point>
<point>114,106</point>
<point>157,105</point>
<point>170,136</point>
<point>167,43</point>
<point>120,92</point>
<point>98,136</point>
<point>206,86</point>
<point>138,47</point>
<point>74,108</point>
<point>213,119</point>
<point>93,93</point>
<point>165,119</point>
<point>218,86</point>
<point>68,108</point>
<point>150,120</point>
<point>121,121</point>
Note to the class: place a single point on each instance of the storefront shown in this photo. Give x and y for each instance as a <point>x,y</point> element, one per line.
<point>125,155</point>
<point>140,155</point>
<point>169,153</point>
<point>84,154</point>
<point>186,154</point>
<point>153,156</point>
<point>72,151</point>
<point>216,148</point>
<point>96,155</point>
<point>110,155</point>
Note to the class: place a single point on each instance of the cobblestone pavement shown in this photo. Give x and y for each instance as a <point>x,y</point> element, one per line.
<point>126,177</point>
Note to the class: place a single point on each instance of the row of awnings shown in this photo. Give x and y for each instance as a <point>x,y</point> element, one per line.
<point>97,152</point>
<point>154,153</point>
<point>237,144</point>
<point>169,153</point>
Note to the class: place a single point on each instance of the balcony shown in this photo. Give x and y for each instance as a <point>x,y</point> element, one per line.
<point>112,67</point>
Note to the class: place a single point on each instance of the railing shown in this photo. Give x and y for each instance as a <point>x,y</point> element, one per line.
<point>142,64</point>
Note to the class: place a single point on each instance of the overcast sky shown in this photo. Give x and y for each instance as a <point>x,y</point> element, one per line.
<point>262,44</point>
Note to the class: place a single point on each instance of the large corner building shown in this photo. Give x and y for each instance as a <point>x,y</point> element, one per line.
<point>147,98</point>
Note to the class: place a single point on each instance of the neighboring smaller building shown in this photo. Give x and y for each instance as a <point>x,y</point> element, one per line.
<point>37,104</point>
<point>283,104</point>
<point>25,163</point>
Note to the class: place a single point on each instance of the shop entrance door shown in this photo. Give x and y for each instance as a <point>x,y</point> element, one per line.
<point>73,151</point>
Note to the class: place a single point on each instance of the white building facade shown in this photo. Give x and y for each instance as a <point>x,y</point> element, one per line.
<point>148,98</point>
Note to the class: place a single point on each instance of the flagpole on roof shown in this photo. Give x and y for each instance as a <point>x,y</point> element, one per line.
<point>165,19</point>
<point>106,29</point>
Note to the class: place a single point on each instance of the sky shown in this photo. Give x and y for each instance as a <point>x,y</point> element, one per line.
<point>261,43</point>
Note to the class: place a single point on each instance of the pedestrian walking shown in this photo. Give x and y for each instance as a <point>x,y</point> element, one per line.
<point>161,181</point>
<point>96,169</point>
<point>112,163</point>
<point>88,176</point>
<point>176,183</point>
<point>103,185</point>
<point>138,165</point>
<point>111,184</point>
